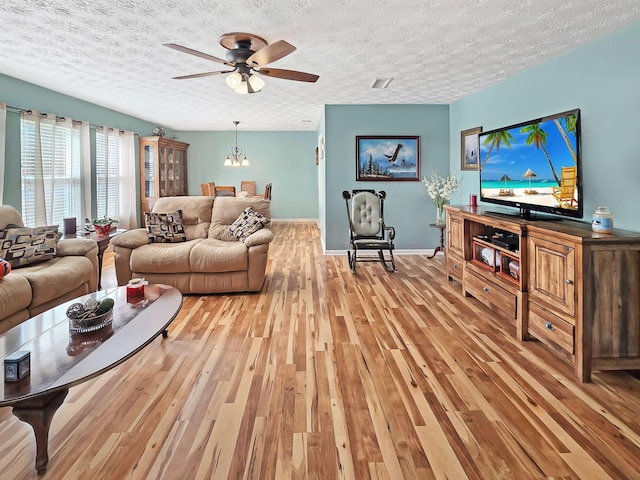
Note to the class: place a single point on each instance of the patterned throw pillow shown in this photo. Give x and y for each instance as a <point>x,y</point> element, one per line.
<point>165,227</point>
<point>247,223</point>
<point>23,245</point>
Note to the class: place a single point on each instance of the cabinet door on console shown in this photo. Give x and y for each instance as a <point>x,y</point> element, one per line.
<point>612,303</point>
<point>552,274</point>
<point>455,234</point>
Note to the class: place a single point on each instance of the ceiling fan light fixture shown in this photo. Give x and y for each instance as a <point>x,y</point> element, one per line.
<point>249,84</point>
<point>256,83</point>
<point>242,89</point>
<point>234,80</point>
<point>246,53</point>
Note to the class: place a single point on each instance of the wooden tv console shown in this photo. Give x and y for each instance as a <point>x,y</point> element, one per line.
<point>576,291</point>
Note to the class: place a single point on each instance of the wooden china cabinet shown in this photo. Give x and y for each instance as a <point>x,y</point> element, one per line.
<point>163,170</point>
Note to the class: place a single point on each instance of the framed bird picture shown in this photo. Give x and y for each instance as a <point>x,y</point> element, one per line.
<point>387,158</point>
<point>469,148</point>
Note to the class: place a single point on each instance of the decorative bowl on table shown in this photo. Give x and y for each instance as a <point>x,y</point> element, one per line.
<point>102,229</point>
<point>102,226</point>
<point>90,316</point>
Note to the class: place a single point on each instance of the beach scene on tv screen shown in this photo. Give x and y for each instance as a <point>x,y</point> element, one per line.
<point>535,163</point>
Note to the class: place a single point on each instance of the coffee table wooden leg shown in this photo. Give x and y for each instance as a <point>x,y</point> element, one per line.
<point>38,412</point>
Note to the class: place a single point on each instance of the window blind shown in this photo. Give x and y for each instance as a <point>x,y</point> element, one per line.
<point>50,171</point>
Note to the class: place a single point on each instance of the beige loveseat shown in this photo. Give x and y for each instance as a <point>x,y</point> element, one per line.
<point>211,260</point>
<point>31,289</point>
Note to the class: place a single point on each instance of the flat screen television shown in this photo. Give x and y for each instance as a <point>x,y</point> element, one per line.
<point>534,166</point>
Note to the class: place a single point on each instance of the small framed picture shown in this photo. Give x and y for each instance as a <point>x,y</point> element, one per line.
<point>469,148</point>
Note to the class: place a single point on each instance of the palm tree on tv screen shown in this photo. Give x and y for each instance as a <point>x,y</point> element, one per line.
<point>571,122</point>
<point>495,140</point>
<point>538,137</point>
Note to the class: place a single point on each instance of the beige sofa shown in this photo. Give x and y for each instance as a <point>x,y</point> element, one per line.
<point>211,260</point>
<point>31,289</point>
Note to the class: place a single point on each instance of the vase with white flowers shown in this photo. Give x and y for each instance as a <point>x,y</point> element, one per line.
<point>440,189</point>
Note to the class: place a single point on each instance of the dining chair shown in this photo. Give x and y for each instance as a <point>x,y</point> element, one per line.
<point>225,191</point>
<point>208,189</point>
<point>267,191</point>
<point>248,186</point>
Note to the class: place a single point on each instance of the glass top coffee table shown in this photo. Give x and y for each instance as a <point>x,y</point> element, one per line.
<point>60,359</point>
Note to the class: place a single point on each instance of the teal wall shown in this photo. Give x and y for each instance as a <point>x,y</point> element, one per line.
<point>601,78</point>
<point>284,159</point>
<point>17,93</point>
<point>408,207</point>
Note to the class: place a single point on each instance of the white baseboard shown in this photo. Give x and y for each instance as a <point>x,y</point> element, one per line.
<point>298,220</point>
<point>408,251</point>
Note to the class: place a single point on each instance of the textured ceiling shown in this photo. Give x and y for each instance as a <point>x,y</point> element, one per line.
<point>437,51</point>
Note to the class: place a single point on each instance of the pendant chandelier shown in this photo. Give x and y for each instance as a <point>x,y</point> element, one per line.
<point>236,158</point>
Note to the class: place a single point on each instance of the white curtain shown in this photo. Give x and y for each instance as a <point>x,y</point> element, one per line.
<point>115,176</point>
<point>53,152</point>
<point>85,170</point>
<point>128,160</point>
<point>3,134</point>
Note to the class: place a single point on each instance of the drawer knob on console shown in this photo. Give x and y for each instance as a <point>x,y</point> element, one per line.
<point>485,289</point>
<point>548,325</point>
<point>568,282</point>
<point>455,266</point>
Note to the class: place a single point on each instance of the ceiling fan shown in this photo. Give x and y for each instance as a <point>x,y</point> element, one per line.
<point>247,55</point>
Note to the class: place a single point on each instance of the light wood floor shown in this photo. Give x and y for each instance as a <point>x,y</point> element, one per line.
<point>330,375</point>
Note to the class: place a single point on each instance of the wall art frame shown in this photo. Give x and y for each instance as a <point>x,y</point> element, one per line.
<point>470,148</point>
<point>387,158</point>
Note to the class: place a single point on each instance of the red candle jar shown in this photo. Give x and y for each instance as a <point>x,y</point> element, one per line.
<point>135,288</point>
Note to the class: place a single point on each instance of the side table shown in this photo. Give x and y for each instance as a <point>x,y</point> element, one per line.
<point>439,248</point>
<point>103,244</point>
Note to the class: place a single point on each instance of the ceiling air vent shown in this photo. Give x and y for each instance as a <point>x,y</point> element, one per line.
<point>380,83</point>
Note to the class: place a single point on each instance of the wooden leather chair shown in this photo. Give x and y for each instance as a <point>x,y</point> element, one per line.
<point>367,230</point>
<point>225,191</point>
<point>208,189</point>
<point>248,186</point>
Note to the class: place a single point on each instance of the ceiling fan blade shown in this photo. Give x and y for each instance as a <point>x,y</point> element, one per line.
<point>197,75</point>
<point>271,53</point>
<point>190,51</point>
<point>288,74</point>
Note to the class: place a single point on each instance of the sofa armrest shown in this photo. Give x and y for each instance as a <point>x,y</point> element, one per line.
<point>131,238</point>
<point>75,247</point>
<point>81,247</point>
<point>262,236</point>
<point>123,246</point>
